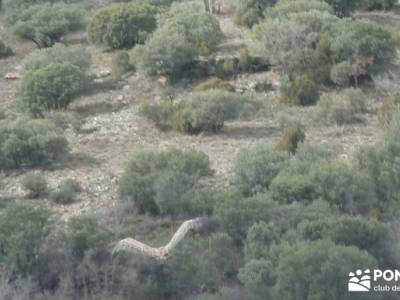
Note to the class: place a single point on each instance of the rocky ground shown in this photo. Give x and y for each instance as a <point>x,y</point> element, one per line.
<point>112,129</point>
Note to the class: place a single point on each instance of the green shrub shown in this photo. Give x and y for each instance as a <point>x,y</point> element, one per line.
<point>30,142</point>
<point>249,12</point>
<point>320,64</point>
<point>380,162</point>
<point>200,29</point>
<point>52,87</point>
<point>290,139</point>
<point>256,168</point>
<point>258,276</point>
<point>389,106</point>
<point>364,44</point>
<point>67,192</point>
<point>23,230</point>
<point>44,24</point>
<point>159,113</point>
<point>341,73</point>
<point>236,214</point>
<point>259,240</point>
<point>122,25</point>
<point>207,111</point>
<point>302,92</point>
<point>214,83</point>
<point>247,17</point>
<point>343,187</point>
<point>227,67</point>
<point>59,53</point>
<point>378,4</point>
<point>5,51</point>
<point>84,234</point>
<point>324,259</point>
<point>342,108</point>
<point>165,53</point>
<point>156,182</point>
<point>121,64</point>
<point>36,184</point>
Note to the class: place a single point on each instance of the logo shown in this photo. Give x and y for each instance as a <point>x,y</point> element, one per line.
<point>360,281</point>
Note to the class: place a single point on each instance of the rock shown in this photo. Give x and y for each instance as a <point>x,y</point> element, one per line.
<point>103,73</point>
<point>120,97</point>
<point>12,76</point>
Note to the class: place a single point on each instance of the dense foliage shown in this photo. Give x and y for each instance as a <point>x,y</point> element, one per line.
<point>29,142</point>
<point>52,87</point>
<point>122,25</point>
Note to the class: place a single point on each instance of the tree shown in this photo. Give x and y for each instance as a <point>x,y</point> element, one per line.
<point>122,25</point>
<point>23,229</point>
<point>45,24</point>
<point>52,87</point>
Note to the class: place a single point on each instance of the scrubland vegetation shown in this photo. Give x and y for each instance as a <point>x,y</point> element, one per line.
<point>277,121</point>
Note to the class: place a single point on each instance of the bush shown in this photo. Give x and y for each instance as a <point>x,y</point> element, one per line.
<point>207,111</point>
<point>389,106</point>
<point>23,230</point>
<point>121,64</point>
<point>67,192</point>
<point>36,184</point>
<point>342,108</point>
<point>302,92</point>
<point>52,87</point>
<point>165,53</point>
<point>290,140</point>
<point>5,51</point>
<point>44,24</point>
<point>159,113</point>
<point>256,168</point>
<point>236,214</point>
<point>366,45</point>
<point>214,83</point>
<point>59,53</point>
<point>259,240</point>
<point>122,25</point>
<point>341,73</point>
<point>85,234</point>
<point>200,29</point>
<point>249,12</point>
<point>29,142</point>
<point>380,163</point>
<point>343,187</point>
<point>321,263</point>
<point>378,4</point>
<point>157,182</point>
